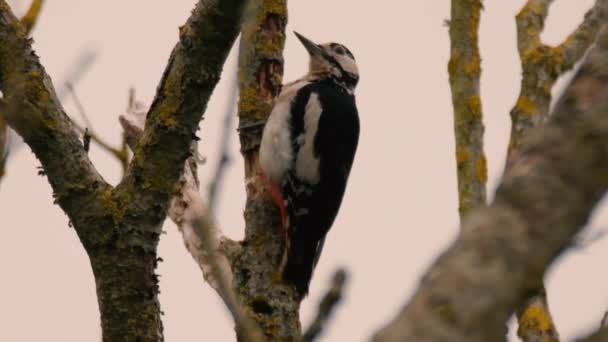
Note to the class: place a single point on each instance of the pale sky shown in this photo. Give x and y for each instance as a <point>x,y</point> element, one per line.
<point>400,208</point>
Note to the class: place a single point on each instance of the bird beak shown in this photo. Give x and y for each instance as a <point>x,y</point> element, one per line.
<point>312,48</point>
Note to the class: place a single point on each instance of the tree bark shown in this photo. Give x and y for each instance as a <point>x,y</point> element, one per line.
<point>545,198</point>
<point>120,228</point>
<point>272,304</point>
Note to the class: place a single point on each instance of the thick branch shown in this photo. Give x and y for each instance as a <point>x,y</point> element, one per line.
<point>541,66</point>
<point>465,70</point>
<point>191,75</point>
<point>36,114</point>
<point>272,304</point>
<point>545,198</point>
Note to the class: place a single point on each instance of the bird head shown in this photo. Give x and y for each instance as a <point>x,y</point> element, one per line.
<point>333,60</point>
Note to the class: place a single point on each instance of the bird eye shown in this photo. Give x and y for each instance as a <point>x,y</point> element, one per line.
<point>339,50</point>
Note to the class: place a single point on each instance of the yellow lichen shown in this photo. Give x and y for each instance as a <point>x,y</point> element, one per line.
<point>526,105</point>
<point>481,169</point>
<point>473,66</point>
<point>475,105</point>
<point>462,156</point>
<point>535,318</point>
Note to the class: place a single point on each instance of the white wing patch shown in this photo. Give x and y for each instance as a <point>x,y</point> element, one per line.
<point>276,154</point>
<point>307,164</point>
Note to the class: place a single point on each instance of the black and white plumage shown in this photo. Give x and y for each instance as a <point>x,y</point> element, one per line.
<point>307,150</point>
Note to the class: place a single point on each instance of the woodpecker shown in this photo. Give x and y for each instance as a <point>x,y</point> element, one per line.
<point>307,150</point>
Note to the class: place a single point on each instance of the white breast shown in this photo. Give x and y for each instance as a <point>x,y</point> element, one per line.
<point>276,153</point>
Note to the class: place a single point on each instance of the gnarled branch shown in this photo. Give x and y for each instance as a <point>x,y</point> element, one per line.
<point>545,198</point>
<point>541,67</point>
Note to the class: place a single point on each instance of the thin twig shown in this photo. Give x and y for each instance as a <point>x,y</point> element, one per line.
<point>604,322</point>
<point>224,147</point>
<point>120,154</point>
<point>329,302</point>
<point>30,18</point>
<point>78,69</point>
<point>247,330</point>
<point>79,106</point>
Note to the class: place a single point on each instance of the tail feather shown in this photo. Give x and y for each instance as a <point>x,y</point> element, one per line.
<point>299,265</point>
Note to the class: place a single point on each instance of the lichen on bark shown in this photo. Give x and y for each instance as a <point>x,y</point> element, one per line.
<point>464,70</point>
<point>120,227</point>
<point>272,304</point>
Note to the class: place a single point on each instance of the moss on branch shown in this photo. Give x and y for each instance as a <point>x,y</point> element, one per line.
<point>120,227</point>
<point>192,73</point>
<point>273,305</point>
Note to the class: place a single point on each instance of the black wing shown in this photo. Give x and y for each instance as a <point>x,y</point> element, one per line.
<point>312,208</point>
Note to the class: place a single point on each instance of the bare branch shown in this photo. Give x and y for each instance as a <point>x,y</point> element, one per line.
<point>202,238</point>
<point>79,106</point>
<point>224,147</point>
<point>273,304</point>
<point>78,69</point>
<point>120,154</point>
<point>465,70</point>
<point>36,114</point>
<point>327,306</point>
<point>543,64</point>
<point>545,198</point>
<point>604,322</point>
<point>180,102</point>
<point>30,19</point>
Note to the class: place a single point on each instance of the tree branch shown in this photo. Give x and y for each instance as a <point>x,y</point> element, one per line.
<point>542,64</point>
<point>545,198</point>
<point>327,306</point>
<point>119,153</point>
<point>191,75</point>
<point>465,70</point>
<point>272,304</point>
<point>36,114</point>
<point>224,147</point>
<point>30,19</point>
<point>202,238</point>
